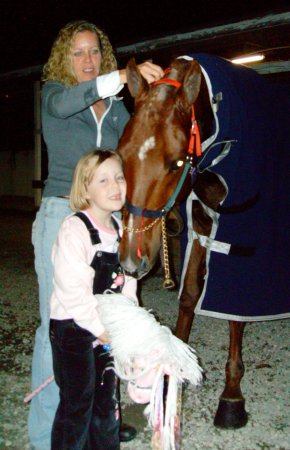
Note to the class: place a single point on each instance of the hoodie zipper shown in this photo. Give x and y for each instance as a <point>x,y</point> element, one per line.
<point>99,123</point>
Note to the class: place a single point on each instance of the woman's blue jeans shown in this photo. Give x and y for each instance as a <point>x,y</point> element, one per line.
<point>87,417</point>
<point>43,406</point>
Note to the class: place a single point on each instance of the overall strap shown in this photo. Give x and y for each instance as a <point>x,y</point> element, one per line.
<point>94,234</point>
<point>116,226</point>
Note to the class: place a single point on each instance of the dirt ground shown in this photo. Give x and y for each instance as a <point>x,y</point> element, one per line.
<point>266,357</point>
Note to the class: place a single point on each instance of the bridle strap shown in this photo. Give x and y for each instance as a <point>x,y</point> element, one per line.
<point>170,81</point>
<point>139,212</point>
<point>172,199</point>
<point>166,80</point>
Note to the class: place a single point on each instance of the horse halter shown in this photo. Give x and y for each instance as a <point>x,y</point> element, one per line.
<point>194,149</point>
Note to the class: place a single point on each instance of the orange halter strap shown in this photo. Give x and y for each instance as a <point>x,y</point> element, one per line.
<point>194,146</point>
<point>166,80</point>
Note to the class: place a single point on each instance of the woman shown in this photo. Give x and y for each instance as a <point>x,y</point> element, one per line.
<point>80,111</point>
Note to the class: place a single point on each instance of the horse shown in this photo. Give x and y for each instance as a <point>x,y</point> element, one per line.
<point>181,147</point>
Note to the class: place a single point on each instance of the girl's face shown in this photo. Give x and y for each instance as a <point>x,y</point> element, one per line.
<point>86,56</point>
<point>107,190</point>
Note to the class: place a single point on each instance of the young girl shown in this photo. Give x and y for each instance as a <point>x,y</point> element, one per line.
<point>86,263</point>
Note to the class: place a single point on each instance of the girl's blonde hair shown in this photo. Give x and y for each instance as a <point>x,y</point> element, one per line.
<point>59,66</point>
<point>83,175</point>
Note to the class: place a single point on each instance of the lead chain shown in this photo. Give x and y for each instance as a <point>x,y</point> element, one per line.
<point>140,230</point>
<point>168,282</point>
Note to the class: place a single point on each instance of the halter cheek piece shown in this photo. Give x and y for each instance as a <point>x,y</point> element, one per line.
<point>194,149</point>
<point>158,213</point>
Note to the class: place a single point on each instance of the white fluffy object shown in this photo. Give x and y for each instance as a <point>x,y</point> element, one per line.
<point>144,351</point>
<point>135,333</point>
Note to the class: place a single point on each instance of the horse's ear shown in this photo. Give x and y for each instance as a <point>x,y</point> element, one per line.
<point>137,85</point>
<point>191,85</point>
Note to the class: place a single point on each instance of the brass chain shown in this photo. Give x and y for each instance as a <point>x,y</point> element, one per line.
<point>168,282</point>
<point>140,230</point>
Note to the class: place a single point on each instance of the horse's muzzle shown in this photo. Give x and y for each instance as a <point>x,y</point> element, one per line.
<point>137,270</point>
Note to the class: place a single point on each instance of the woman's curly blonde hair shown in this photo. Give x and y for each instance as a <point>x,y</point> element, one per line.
<point>58,66</point>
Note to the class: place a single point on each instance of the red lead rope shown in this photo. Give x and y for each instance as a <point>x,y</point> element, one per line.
<point>139,252</point>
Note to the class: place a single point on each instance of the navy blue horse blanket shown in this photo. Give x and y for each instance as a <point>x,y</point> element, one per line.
<point>247,253</point>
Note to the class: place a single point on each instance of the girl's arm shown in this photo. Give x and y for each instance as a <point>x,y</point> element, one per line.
<point>73,277</point>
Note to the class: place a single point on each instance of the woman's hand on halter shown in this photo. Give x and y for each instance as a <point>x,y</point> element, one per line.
<point>151,72</point>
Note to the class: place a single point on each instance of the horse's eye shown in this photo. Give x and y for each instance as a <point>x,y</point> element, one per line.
<point>176,165</point>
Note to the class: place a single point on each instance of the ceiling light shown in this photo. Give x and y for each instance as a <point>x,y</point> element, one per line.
<point>248,59</point>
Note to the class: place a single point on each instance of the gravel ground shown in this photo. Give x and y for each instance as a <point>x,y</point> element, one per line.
<point>266,354</point>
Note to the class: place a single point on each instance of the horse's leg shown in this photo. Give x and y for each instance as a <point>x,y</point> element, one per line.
<point>231,411</point>
<point>192,287</point>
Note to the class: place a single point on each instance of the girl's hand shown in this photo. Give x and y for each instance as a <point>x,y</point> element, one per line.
<point>104,338</point>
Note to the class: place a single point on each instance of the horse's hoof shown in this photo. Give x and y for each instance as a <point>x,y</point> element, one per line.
<point>231,414</point>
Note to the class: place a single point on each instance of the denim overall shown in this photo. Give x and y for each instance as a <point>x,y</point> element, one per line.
<point>88,414</point>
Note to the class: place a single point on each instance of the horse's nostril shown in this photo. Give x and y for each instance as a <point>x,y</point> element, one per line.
<point>131,274</point>
<point>143,265</point>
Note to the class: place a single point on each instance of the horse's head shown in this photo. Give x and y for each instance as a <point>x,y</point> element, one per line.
<point>154,148</point>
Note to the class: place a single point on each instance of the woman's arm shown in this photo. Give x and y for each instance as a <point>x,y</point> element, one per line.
<point>63,102</point>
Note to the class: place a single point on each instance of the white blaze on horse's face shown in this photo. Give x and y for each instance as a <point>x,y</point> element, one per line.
<point>149,144</point>
<point>130,226</point>
<point>128,263</point>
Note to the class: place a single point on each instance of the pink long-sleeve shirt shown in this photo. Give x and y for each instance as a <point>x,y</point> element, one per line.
<point>72,254</point>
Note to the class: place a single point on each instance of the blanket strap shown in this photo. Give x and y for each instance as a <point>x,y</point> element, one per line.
<point>233,209</point>
<point>224,247</point>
